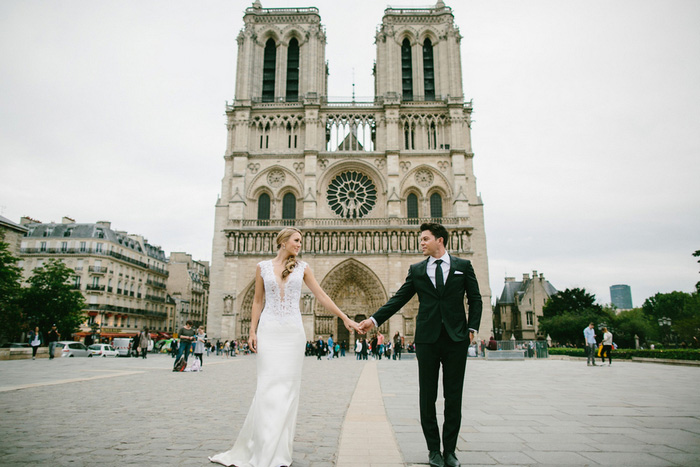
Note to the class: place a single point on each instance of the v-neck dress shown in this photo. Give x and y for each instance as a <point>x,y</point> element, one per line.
<point>267,436</point>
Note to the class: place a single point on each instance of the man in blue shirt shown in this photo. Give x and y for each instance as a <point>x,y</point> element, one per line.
<point>589,335</point>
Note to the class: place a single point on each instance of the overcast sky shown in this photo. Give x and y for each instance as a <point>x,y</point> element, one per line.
<point>586,127</point>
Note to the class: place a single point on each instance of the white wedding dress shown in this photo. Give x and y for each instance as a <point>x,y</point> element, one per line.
<point>267,436</point>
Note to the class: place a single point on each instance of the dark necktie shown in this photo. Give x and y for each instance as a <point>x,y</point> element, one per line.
<point>439,280</point>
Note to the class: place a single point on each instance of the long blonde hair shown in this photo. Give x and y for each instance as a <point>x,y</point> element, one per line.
<point>282,237</point>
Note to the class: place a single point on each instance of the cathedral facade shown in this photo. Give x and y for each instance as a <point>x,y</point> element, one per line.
<point>357,178</point>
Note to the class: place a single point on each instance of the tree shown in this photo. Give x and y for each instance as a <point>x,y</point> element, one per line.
<point>666,305</point>
<point>566,313</point>
<point>570,301</point>
<point>11,318</point>
<point>630,323</point>
<point>697,284</point>
<point>50,299</point>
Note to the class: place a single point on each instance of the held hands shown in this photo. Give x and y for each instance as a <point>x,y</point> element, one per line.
<point>351,325</point>
<point>365,326</point>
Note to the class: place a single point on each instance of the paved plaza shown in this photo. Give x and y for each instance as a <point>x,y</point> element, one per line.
<point>126,411</point>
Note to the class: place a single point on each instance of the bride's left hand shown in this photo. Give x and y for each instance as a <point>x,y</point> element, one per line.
<point>351,325</point>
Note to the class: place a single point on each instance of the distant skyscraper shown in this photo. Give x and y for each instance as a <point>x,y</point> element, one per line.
<point>621,296</point>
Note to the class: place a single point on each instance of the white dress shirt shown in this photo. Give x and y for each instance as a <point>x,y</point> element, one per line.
<point>445,268</point>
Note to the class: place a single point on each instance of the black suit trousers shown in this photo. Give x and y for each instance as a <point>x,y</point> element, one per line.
<point>452,356</point>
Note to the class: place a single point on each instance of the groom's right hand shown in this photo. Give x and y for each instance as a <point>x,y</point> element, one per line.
<point>366,325</point>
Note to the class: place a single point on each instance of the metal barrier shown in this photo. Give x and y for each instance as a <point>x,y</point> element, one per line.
<point>532,348</point>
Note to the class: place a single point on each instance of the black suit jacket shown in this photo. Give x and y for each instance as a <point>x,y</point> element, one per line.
<point>434,309</point>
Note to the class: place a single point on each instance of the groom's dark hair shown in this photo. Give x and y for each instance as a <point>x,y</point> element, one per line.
<point>438,231</point>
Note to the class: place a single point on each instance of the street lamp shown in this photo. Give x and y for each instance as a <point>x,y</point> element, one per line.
<point>665,325</point>
<point>498,332</point>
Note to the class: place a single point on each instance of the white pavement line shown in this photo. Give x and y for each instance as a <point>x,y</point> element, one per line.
<point>367,438</point>
<point>65,381</point>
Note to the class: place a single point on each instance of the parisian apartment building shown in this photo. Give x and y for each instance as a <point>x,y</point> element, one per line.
<point>188,287</point>
<point>356,177</point>
<point>122,276</point>
<point>519,308</point>
<point>12,234</point>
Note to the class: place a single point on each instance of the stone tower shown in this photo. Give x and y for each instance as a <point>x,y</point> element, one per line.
<point>358,178</point>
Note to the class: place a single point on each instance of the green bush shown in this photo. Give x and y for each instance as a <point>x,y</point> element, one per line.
<point>622,354</point>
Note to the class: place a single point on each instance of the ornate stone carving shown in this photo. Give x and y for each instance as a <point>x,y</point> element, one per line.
<point>405,165</point>
<point>253,167</point>
<point>443,165</point>
<point>323,163</point>
<point>380,163</point>
<point>352,194</point>
<point>275,178</point>
<point>299,167</point>
<point>424,178</point>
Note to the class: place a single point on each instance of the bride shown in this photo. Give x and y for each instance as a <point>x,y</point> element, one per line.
<point>277,335</point>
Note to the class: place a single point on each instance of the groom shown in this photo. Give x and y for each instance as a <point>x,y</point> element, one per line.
<point>442,335</point>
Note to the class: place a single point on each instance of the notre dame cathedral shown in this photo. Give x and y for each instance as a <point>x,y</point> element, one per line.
<point>357,178</point>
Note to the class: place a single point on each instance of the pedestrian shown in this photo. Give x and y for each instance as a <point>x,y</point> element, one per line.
<point>143,342</point>
<point>443,334</point>
<point>186,338</point>
<point>589,336</point>
<point>330,347</point>
<point>387,350</point>
<point>319,348</point>
<point>53,336</point>
<point>277,335</point>
<point>227,349</point>
<point>35,340</point>
<point>365,349</point>
<point>336,350</point>
<point>358,349</point>
<point>134,352</point>
<point>173,347</point>
<point>343,348</point>
<point>380,344</point>
<point>397,345</point>
<point>607,346</point>
<point>200,339</point>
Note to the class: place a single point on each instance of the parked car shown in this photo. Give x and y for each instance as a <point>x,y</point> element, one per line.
<point>73,349</point>
<point>16,345</point>
<point>103,350</point>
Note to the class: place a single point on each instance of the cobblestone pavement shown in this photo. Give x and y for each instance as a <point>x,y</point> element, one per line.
<point>126,411</point>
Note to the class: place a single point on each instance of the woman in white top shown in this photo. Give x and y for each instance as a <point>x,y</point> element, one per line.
<point>607,346</point>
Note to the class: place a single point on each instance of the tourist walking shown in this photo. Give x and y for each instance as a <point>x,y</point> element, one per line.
<point>35,340</point>
<point>607,346</point>
<point>53,336</point>
<point>591,346</point>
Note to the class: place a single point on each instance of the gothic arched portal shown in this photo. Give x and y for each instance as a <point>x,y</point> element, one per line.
<point>357,290</point>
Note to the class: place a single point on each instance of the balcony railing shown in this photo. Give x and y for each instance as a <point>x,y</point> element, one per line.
<point>95,288</point>
<point>348,236</point>
<point>156,284</point>
<point>98,269</point>
<point>154,298</point>
<point>123,309</point>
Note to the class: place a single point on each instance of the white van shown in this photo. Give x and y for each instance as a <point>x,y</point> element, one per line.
<point>122,345</point>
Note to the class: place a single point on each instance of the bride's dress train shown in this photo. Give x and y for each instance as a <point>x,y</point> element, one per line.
<point>267,436</point>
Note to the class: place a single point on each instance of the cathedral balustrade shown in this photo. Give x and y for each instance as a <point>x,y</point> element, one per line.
<point>346,236</point>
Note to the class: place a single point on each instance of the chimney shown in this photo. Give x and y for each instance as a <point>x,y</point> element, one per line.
<point>104,224</point>
<point>24,220</point>
<point>67,220</point>
<point>526,276</point>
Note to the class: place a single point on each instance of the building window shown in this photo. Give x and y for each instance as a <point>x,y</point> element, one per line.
<point>412,208</point>
<point>64,246</point>
<point>406,71</point>
<point>351,195</point>
<point>293,71</point>
<point>428,71</point>
<point>43,246</point>
<point>68,232</point>
<point>263,209</point>
<point>530,318</point>
<point>409,130</point>
<point>268,84</point>
<point>98,248</point>
<point>83,246</point>
<point>289,208</point>
<point>435,205</point>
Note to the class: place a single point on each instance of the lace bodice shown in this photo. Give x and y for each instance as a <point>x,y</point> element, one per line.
<point>282,305</point>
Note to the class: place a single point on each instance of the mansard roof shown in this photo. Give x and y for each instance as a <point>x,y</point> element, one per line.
<point>8,224</point>
<point>511,289</point>
<point>93,231</point>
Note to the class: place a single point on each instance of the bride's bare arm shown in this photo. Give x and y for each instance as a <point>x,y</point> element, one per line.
<point>325,300</point>
<point>257,309</point>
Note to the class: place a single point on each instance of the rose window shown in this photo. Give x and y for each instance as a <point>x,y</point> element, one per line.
<point>352,194</point>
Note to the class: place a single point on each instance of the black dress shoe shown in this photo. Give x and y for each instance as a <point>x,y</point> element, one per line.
<point>435,459</point>
<point>451,460</point>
